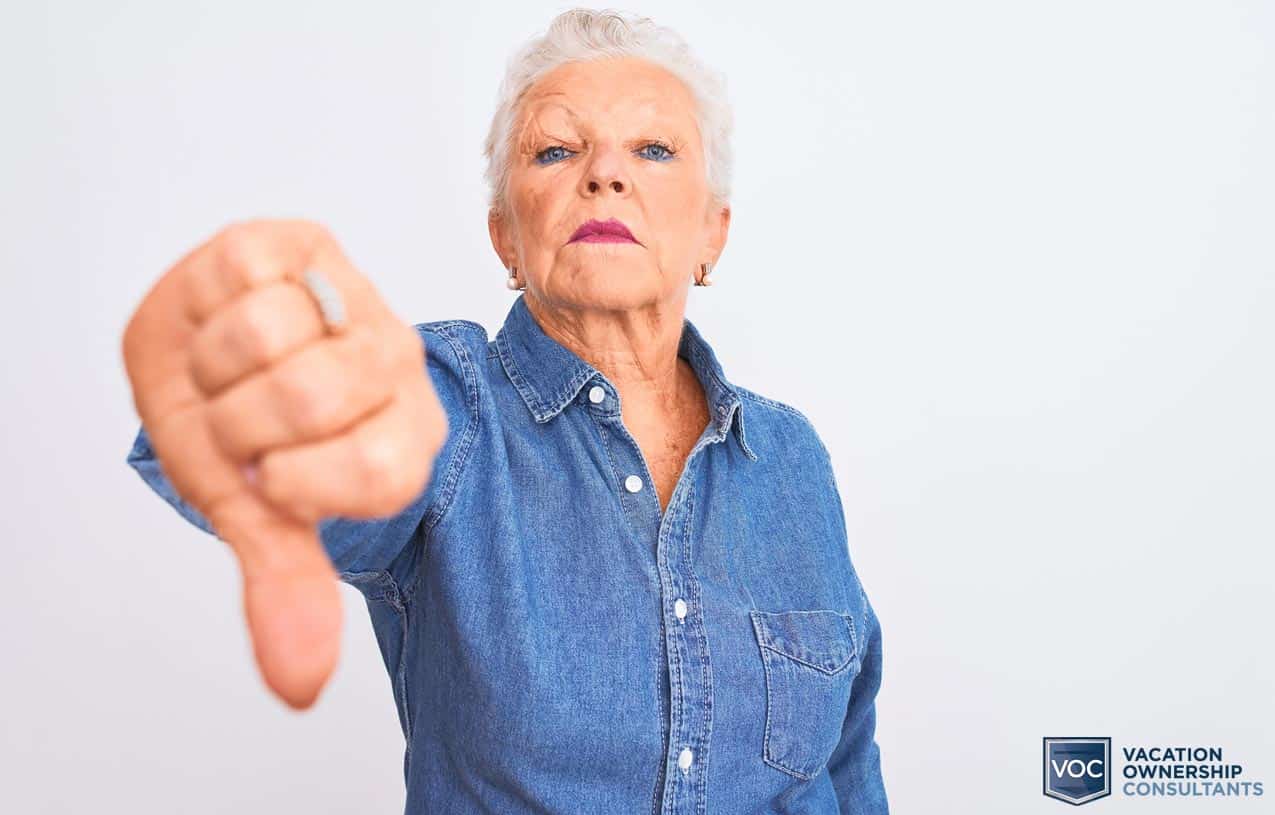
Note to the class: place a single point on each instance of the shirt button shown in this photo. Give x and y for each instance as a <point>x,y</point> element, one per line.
<point>679,608</point>
<point>596,394</point>
<point>684,758</point>
<point>633,483</point>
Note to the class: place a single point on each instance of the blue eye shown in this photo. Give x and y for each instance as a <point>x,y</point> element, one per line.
<point>656,151</point>
<point>663,152</point>
<point>554,154</point>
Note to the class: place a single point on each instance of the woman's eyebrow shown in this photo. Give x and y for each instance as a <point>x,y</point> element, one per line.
<point>654,122</point>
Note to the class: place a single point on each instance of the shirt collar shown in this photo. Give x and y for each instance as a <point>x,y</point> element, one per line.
<point>548,375</point>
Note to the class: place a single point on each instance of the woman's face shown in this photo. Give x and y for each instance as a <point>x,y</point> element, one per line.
<point>613,139</point>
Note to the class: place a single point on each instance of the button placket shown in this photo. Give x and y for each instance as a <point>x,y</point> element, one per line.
<point>689,672</point>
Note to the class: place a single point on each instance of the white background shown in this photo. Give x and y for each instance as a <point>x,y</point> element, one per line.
<point>1025,252</point>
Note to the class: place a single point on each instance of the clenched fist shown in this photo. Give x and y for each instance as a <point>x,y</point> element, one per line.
<point>265,423</point>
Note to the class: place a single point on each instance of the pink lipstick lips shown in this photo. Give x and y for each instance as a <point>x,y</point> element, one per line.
<point>608,231</point>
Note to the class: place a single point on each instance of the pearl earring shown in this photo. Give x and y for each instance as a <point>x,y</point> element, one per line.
<point>705,279</point>
<point>511,282</point>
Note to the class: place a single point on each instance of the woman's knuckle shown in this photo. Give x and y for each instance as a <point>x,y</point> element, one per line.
<point>378,463</point>
<point>362,349</point>
<point>278,479</point>
<point>236,256</point>
<point>253,338</point>
<point>367,359</point>
<point>235,241</point>
<point>302,401</point>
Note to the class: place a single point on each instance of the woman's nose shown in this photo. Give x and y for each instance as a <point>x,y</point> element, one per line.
<point>605,171</point>
<point>615,183</point>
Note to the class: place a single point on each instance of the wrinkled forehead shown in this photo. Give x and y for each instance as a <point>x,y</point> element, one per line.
<point>611,92</point>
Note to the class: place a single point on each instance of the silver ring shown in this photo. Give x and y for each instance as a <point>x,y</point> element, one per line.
<point>327,298</point>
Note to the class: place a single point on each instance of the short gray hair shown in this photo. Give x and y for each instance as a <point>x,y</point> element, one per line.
<point>582,34</point>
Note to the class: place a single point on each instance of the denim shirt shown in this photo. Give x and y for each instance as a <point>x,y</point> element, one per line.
<point>558,644</point>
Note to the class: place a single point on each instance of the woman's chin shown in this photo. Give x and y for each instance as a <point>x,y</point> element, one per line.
<point>614,283</point>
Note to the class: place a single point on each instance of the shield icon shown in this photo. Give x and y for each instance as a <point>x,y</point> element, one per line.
<point>1077,770</point>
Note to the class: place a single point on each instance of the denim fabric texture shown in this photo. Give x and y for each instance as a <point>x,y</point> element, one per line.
<point>557,644</point>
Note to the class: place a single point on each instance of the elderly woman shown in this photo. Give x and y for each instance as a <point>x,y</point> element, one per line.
<point>604,577</point>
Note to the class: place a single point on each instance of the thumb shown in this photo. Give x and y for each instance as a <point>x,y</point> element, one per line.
<point>291,596</point>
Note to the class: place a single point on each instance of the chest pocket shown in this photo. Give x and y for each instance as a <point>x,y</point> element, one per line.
<point>810,659</point>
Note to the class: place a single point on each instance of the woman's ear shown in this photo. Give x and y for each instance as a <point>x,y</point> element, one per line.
<point>497,228</point>
<point>718,230</point>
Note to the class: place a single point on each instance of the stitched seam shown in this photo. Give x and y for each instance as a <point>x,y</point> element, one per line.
<point>767,756</point>
<point>742,432</point>
<point>705,364</point>
<point>675,658</point>
<point>775,404</point>
<point>772,403</point>
<point>703,356</point>
<point>701,635</point>
<point>759,629</point>
<point>854,642</point>
<point>520,382</point>
<point>867,623</point>
<point>383,587</point>
<point>665,713</point>
<point>445,324</point>
<point>657,797</point>
<point>673,507</point>
<point>393,593</point>
<point>461,457</point>
<point>698,346</point>
<point>606,448</point>
<point>849,661</point>
<point>410,593</point>
<point>568,391</point>
<point>765,644</point>
<point>724,424</point>
<point>441,328</point>
<point>402,682</point>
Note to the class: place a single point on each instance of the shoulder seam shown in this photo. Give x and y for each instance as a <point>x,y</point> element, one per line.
<point>775,404</point>
<point>440,326</point>
<point>772,403</point>
<point>443,329</point>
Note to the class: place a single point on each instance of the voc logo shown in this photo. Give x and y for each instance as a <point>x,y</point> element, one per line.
<point>1076,769</point>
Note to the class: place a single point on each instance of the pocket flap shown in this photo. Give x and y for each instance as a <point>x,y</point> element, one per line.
<point>822,639</point>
